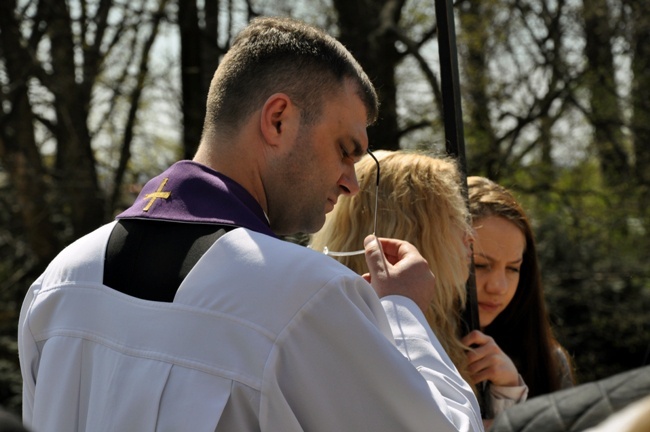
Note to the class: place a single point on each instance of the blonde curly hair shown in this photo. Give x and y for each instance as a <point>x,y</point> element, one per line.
<point>420,201</point>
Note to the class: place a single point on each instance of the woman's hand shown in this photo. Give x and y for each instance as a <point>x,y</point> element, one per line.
<point>487,362</point>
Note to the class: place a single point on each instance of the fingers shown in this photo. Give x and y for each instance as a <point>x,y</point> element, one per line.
<point>495,370</point>
<point>486,361</point>
<point>475,337</point>
<point>482,346</point>
<point>484,368</point>
<point>397,268</point>
<point>480,375</point>
<point>375,259</point>
<point>392,250</point>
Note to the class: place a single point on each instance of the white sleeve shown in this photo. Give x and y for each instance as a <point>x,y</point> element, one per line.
<point>502,398</point>
<point>419,344</point>
<point>336,368</point>
<point>28,355</point>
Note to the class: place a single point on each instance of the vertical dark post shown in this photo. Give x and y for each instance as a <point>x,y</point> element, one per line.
<point>453,120</point>
<point>455,144</point>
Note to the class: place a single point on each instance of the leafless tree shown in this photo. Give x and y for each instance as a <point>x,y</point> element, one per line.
<point>56,57</point>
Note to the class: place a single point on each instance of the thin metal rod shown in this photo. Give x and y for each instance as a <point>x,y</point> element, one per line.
<point>453,120</point>
<point>326,251</point>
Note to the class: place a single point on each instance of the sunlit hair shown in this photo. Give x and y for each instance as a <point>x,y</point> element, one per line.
<point>281,55</point>
<point>523,329</point>
<point>420,201</point>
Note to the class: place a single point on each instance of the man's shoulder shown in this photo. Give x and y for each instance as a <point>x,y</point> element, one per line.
<point>285,254</point>
<point>248,258</point>
<point>266,282</point>
<point>82,259</point>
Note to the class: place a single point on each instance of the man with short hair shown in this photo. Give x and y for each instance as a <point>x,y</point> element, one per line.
<point>188,313</point>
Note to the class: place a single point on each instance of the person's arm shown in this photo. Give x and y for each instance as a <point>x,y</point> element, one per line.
<point>504,397</point>
<point>419,344</point>
<point>29,355</point>
<point>403,280</point>
<point>488,362</point>
<point>336,367</point>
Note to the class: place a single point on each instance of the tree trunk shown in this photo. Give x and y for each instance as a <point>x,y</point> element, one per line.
<point>640,126</point>
<point>200,56</point>
<point>367,31</point>
<point>194,94</point>
<point>19,154</point>
<point>134,105</point>
<point>75,161</point>
<point>605,115</point>
<point>480,136</point>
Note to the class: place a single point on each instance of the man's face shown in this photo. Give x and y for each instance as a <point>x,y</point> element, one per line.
<point>320,165</point>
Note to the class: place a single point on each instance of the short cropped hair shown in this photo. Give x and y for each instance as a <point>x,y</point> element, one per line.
<point>281,55</point>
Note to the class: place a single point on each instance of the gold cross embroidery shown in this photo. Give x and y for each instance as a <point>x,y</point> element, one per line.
<point>158,194</point>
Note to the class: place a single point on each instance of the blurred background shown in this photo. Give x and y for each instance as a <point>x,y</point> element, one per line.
<point>97,96</point>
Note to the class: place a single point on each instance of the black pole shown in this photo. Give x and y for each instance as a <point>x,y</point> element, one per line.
<point>455,146</point>
<point>453,120</point>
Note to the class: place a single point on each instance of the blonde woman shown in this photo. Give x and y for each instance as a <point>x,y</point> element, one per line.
<point>420,201</point>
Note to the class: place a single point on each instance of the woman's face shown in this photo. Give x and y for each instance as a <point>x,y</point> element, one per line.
<point>498,253</point>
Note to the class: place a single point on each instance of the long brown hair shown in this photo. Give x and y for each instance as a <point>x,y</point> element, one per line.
<point>420,201</point>
<point>523,329</point>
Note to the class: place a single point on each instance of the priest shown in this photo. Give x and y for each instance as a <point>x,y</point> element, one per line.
<point>189,313</point>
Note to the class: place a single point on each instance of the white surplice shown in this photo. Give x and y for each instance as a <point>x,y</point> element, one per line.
<point>262,335</point>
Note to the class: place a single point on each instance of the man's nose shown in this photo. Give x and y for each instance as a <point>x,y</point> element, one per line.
<point>348,183</point>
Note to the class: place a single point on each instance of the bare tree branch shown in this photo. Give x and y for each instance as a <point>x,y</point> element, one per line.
<point>143,70</point>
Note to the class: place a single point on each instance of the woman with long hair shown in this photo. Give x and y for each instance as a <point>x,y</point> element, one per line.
<point>419,200</point>
<point>509,289</point>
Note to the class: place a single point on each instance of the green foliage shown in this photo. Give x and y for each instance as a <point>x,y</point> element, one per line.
<point>10,379</point>
<point>593,244</point>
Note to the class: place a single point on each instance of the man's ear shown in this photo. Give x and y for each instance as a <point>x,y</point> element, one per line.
<point>279,119</point>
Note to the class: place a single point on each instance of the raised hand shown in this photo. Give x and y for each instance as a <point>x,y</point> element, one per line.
<point>487,362</point>
<point>397,268</point>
